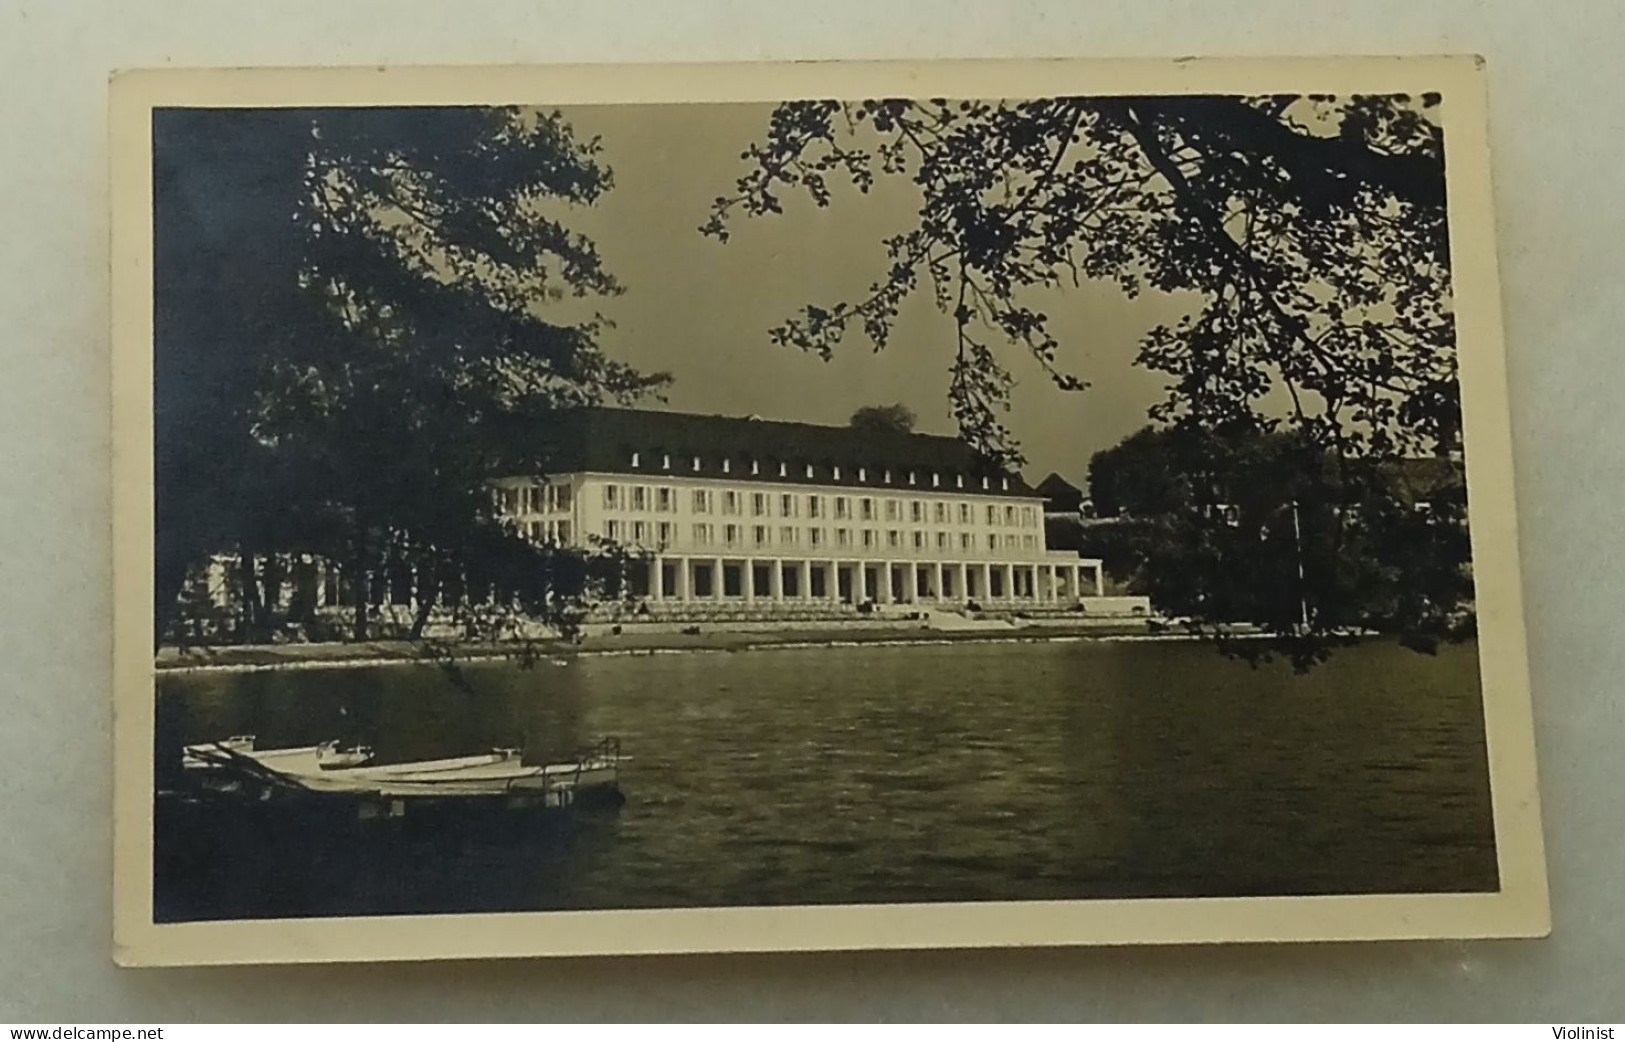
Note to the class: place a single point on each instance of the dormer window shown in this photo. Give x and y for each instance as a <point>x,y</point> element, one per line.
<point>959,481</point>
<point>755,467</point>
<point>836,473</point>
<point>665,461</point>
<point>809,470</point>
<point>911,477</point>
<point>634,459</point>
<point>887,477</point>
<point>784,470</point>
<point>936,479</point>
<point>727,465</point>
<point>696,463</point>
<point>984,482</point>
<point>863,473</point>
<point>1004,483</point>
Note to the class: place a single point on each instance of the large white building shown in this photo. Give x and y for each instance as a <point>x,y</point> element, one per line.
<point>750,510</point>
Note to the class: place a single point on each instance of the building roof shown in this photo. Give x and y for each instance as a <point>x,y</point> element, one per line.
<point>1060,495</point>
<point>604,440</point>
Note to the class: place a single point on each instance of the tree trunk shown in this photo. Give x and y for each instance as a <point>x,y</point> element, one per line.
<point>252,611</point>
<point>428,594</point>
<point>363,594</point>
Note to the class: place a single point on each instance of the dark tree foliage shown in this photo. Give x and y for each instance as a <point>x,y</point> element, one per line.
<point>896,418</point>
<point>1269,529</point>
<point>1310,230</point>
<point>350,340</point>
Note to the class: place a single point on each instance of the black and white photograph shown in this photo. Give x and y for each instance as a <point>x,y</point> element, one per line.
<point>845,492</point>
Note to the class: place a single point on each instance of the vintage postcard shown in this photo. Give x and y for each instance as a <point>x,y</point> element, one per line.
<point>606,510</point>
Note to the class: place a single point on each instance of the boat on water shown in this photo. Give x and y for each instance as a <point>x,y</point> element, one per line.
<point>237,766</point>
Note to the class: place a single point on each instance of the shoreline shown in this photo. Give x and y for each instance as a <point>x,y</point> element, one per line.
<point>281,657</point>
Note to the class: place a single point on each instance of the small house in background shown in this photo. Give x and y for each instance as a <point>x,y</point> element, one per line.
<point>1061,497</point>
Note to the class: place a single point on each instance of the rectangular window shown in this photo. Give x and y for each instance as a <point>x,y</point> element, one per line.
<point>815,537</point>
<point>964,540</point>
<point>666,500</point>
<point>868,538</point>
<point>940,512</point>
<point>843,508</point>
<point>919,540</point>
<point>992,541</point>
<point>1010,515</point>
<point>992,514</point>
<point>758,504</point>
<point>561,497</point>
<point>866,508</point>
<point>702,535</point>
<point>702,501</point>
<point>787,535</point>
<point>537,532</point>
<point>787,505</point>
<point>891,510</point>
<point>894,538</point>
<point>640,498</point>
<point>612,530</point>
<point>916,511</point>
<point>730,502</point>
<point>843,537</point>
<point>813,504</point>
<point>612,497</point>
<point>942,540</point>
<point>640,532</point>
<point>730,534</point>
<point>1028,543</point>
<point>665,533</point>
<point>760,533</point>
<point>964,513</point>
<point>564,532</point>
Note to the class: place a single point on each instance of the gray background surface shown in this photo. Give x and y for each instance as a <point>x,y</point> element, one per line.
<point>1559,138</point>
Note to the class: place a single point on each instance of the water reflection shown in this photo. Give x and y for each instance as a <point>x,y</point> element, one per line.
<point>964,772</point>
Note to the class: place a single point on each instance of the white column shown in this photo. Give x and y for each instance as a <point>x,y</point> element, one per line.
<point>883,594</point>
<point>962,581</point>
<point>716,578</point>
<point>1100,580</point>
<point>1009,582</point>
<point>747,579</point>
<point>832,582</point>
<point>775,582</point>
<point>986,592</point>
<point>911,582</point>
<point>936,580</point>
<point>860,582</point>
<point>804,580</point>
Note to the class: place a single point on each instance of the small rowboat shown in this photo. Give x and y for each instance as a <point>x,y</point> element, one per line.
<point>333,756</point>
<point>322,769</point>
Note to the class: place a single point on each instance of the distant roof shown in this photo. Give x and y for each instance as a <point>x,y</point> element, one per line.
<point>1060,493</point>
<point>604,440</point>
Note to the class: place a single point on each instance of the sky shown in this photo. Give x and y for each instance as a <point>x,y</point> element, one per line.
<point>701,310</point>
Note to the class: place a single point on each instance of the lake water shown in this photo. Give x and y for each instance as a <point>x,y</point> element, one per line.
<point>987,771</point>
